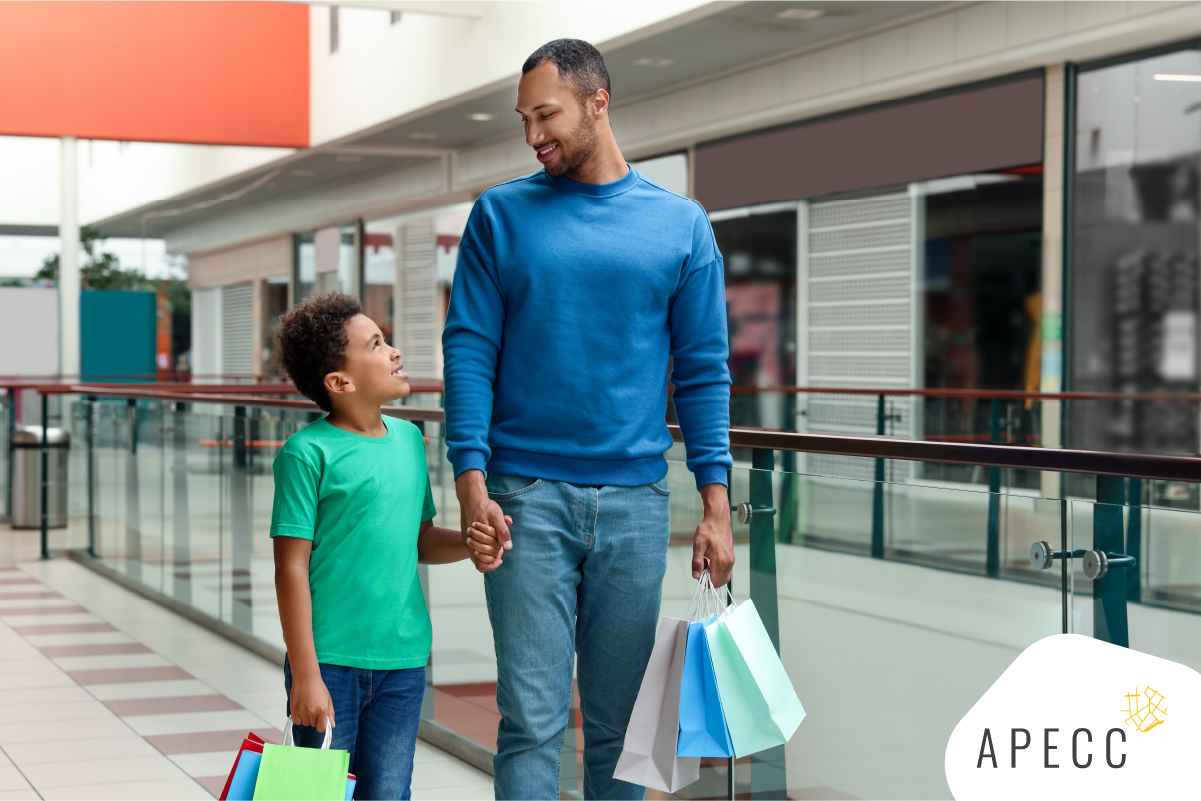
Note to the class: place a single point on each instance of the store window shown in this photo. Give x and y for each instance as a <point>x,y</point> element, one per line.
<point>379,279</point>
<point>274,297</point>
<point>327,259</point>
<point>758,246</point>
<point>1134,282</point>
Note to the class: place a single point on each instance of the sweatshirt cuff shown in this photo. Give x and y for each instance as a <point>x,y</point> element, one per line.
<point>469,460</point>
<point>707,474</point>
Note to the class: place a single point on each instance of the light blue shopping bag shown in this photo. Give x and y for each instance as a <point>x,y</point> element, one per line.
<point>703,731</point>
<point>761,707</point>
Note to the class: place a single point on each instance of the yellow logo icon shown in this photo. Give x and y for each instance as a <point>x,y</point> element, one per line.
<point>1144,711</point>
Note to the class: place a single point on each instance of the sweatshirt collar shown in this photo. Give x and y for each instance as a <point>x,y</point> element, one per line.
<point>622,184</point>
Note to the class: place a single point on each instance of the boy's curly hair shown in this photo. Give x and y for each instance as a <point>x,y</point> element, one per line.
<point>311,342</point>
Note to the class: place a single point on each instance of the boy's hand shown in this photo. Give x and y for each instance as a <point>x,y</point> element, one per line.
<point>310,703</point>
<point>484,546</point>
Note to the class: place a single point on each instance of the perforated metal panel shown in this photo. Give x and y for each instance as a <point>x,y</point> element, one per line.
<point>237,328</point>
<point>419,307</point>
<point>859,292</point>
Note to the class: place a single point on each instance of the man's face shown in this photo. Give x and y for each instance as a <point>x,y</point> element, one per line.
<point>371,364</point>
<point>557,125</point>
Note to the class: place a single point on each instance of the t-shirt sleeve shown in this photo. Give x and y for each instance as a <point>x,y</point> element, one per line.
<point>294,510</point>
<point>428,512</point>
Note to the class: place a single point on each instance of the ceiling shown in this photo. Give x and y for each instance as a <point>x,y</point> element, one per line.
<point>696,50</point>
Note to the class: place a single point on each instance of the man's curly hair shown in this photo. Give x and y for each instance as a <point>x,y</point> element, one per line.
<point>311,342</point>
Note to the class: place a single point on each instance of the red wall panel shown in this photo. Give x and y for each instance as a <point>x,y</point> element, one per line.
<point>224,72</point>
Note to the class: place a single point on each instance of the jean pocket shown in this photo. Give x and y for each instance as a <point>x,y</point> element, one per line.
<point>660,487</point>
<point>501,488</point>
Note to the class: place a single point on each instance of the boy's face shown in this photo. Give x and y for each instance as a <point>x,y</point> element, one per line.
<point>372,369</point>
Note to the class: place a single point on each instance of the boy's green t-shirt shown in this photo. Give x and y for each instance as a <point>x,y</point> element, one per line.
<point>361,500</point>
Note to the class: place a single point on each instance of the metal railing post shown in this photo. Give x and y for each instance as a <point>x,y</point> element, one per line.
<point>91,435</point>
<point>992,555</point>
<point>768,773</point>
<point>1109,591</point>
<point>878,488</point>
<point>1134,538</point>
<point>45,518</point>
<point>11,397</point>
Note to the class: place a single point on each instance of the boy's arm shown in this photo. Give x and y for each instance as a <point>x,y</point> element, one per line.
<point>309,700</point>
<point>439,546</point>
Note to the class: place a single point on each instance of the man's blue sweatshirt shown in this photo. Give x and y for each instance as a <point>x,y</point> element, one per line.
<point>568,300</point>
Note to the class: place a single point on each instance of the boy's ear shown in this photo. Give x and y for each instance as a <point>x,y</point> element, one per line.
<point>338,384</point>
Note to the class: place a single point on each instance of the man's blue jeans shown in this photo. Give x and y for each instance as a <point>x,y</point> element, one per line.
<point>585,575</point>
<point>376,713</point>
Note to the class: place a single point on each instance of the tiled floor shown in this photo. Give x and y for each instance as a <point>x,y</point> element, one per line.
<point>108,695</point>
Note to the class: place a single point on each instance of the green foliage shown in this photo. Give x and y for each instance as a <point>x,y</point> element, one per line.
<point>102,270</point>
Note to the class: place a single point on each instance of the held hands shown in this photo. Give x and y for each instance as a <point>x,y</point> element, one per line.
<point>485,527</point>
<point>310,703</point>
<point>484,545</point>
<point>714,539</point>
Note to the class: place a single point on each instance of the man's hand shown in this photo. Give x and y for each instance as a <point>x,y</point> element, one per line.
<point>483,544</point>
<point>310,702</point>
<point>477,507</point>
<point>714,539</point>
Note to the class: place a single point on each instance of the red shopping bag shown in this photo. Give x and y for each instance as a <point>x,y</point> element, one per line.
<point>252,743</point>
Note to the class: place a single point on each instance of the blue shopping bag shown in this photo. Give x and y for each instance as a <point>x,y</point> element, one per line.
<point>703,730</point>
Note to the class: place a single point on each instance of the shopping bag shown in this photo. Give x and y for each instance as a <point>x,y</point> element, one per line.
<point>703,731</point>
<point>649,756</point>
<point>762,709</point>
<point>288,773</point>
<point>240,784</point>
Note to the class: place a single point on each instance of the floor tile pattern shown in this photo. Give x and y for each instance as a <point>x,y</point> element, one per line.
<point>107,695</point>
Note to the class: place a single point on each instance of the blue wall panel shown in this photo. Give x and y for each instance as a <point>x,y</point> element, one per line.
<point>117,332</point>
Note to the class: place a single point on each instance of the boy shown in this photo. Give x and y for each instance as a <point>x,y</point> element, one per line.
<point>351,520</point>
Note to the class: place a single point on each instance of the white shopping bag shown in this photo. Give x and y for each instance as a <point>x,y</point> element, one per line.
<point>649,755</point>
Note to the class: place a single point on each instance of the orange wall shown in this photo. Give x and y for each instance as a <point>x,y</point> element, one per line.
<point>207,72</point>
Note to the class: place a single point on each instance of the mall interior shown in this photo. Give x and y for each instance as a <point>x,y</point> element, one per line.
<point>960,245</point>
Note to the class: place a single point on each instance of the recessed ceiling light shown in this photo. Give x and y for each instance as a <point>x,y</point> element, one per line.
<point>483,117</point>
<point>654,62</point>
<point>348,159</point>
<point>800,13</point>
<point>423,135</point>
<point>303,173</point>
<point>1189,78</point>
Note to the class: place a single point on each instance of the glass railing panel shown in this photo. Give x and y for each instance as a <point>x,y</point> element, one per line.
<point>858,635</point>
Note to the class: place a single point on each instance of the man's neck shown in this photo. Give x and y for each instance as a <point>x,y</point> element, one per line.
<point>361,419</point>
<point>604,167</point>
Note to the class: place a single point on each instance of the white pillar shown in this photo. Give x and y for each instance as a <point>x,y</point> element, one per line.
<point>68,263</point>
<point>1054,230</point>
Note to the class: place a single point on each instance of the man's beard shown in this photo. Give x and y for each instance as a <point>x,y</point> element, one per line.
<point>575,151</point>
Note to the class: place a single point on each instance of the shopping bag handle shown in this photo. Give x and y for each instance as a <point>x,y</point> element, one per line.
<point>325,744</point>
<point>703,588</point>
<point>720,595</point>
<point>706,602</point>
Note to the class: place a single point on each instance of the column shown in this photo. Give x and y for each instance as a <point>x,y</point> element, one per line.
<point>68,263</point>
<point>1052,275</point>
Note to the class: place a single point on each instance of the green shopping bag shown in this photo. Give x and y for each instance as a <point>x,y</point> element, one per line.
<point>288,773</point>
<point>761,707</point>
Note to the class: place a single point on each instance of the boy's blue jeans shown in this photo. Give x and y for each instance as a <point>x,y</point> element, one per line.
<point>376,713</point>
<point>585,575</point>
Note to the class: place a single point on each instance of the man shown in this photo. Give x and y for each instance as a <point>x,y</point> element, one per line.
<point>574,287</point>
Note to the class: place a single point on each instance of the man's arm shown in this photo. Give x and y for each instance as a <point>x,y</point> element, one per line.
<point>699,349</point>
<point>471,342</point>
<point>309,700</point>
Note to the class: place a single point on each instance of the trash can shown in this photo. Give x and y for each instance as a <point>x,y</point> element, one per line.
<point>26,448</point>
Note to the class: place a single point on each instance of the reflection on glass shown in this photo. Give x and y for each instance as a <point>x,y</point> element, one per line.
<point>983,309</point>
<point>1134,289</point>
